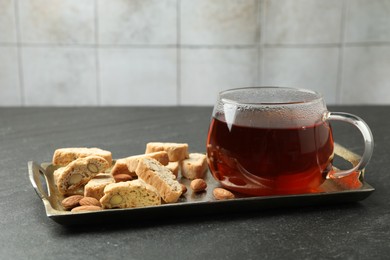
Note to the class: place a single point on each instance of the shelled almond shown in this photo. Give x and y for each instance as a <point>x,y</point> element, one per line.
<point>71,202</point>
<point>86,208</point>
<point>89,201</point>
<point>222,194</point>
<point>198,185</point>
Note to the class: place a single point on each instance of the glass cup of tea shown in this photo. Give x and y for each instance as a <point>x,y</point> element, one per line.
<point>274,140</point>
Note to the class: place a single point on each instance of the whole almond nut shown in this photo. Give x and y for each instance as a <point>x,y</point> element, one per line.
<point>71,202</point>
<point>198,185</point>
<point>183,188</point>
<point>86,208</point>
<point>122,177</point>
<point>222,194</point>
<point>89,201</point>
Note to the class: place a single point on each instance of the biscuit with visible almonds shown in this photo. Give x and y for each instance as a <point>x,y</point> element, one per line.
<point>77,173</point>
<point>64,156</point>
<point>130,194</point>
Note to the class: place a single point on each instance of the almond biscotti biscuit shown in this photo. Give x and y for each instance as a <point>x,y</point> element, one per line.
<point>160,177</point>
<point>174,167</point>
<point>130,194</point>
<point>176,151</point>
<point>57,173</point>
<point>77,173</point>
<point>64,156</point>
<point>128,165</point>
<point>95,187</point>
<point>194,167</point>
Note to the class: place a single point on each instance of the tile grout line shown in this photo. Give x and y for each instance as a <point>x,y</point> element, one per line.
<point>189,46</point>
<point>178,53</point>
<point>260,22</point>
<point>339,85</point>
<point>19,54</point>
<point>263,45</point>
<point>97,59</point>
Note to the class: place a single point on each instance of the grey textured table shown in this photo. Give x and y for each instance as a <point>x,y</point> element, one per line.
<point>358,230</point>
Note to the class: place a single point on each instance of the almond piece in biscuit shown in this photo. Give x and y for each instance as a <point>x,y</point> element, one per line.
<point>160,177</point>
<point>194,167</point>
<point>95,187</point>
<point>77,173</point>
<point>130,194</point>
<point>176,151</point>
<point>64,156</point>
<point>128,165</point>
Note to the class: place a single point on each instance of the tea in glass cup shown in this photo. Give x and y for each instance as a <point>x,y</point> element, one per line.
<point>270,140</point>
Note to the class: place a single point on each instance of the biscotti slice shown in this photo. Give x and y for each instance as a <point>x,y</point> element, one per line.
<point>57,173</point>
<point>176,151</point>
<point>64,156</point>
<point>79,172</point>
<point>129,194</point>
<point>95,187</point>
<point>128,165</point>
<point>194,167</point>
<point>160,177</point>
<point>174,167</point>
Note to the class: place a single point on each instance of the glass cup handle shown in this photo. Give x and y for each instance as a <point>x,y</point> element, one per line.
<point>367,136</point>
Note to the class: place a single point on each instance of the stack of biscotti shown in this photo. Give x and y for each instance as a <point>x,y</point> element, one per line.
<point>134,181</point>
<point>78,166</point>
<point>160,177</point>
<point>191,165</point>
<point>129,164</point>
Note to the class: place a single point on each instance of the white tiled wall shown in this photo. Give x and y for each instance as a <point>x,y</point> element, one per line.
<point>142,22</point>
<point>138,76</point>
<point>219,22</point>
<point>302,21</point>
<point>183,52</point>
<point>59,75</point>
<point>314,68</point>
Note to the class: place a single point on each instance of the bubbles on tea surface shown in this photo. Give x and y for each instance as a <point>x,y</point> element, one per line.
<point>278,116</point>
<point>280,108</point>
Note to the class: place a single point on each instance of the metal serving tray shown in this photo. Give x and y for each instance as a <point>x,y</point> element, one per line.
<point>332,191</point>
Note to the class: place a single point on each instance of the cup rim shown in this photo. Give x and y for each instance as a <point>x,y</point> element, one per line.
<point>318,96</point>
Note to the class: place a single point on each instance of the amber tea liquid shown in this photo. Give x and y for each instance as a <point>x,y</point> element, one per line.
<point>266,161</point>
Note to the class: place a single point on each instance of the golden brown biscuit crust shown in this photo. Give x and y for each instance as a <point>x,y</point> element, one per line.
<point>64,156</point>
<point>160,177</point>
